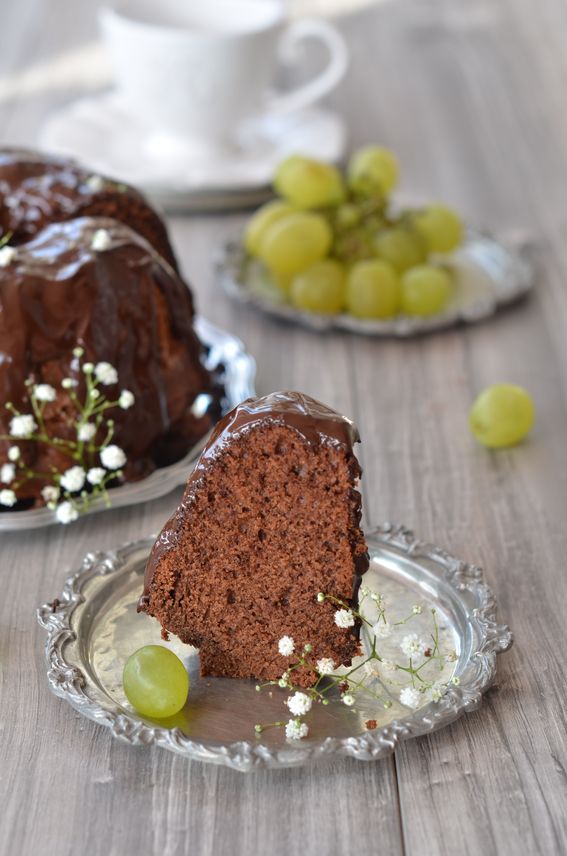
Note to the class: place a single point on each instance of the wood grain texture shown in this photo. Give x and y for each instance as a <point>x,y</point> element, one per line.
<point>471,96</point>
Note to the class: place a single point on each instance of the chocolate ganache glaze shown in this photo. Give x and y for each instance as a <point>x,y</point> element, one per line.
<point>36,190</point>
<point>314,422</point>
<point>125,305</point>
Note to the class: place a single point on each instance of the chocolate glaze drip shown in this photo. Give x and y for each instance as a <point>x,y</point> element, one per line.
<point>124,305</point>
<point>36,190</point>
<point>314,422</point>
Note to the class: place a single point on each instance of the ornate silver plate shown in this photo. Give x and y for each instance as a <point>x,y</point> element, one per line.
<point>490,273</point>
<point>93,627</point>
<point>236,369</point>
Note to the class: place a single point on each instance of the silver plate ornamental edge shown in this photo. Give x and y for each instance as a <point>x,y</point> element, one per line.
<point>458,588</point>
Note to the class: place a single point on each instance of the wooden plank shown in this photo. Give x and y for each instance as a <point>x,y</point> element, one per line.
<point>471,96</point>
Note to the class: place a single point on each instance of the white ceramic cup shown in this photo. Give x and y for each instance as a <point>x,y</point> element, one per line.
<point>197,69</point>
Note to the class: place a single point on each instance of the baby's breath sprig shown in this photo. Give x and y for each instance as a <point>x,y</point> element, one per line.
<point>94,461</point>
<point>373,676</point>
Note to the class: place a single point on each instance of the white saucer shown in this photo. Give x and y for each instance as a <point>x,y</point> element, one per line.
<point>100,132</point>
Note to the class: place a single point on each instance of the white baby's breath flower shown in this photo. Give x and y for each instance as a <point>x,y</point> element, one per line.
<point>50,493</point>
<point>378,599</point>
<point>295,729</point>
<point>86,432</point>
<point>299,704</point>
<point>7,256</point>
<point>417,609</point>
<point>105,373</point>
<point>412,645</point>
<point>348,699</point>
<point>101,241</point>
<point>7,473</point>
<point>88,368</point>
<point>22,426</point>
<point>325,666</point>
<point>66,513</point>
<point>286,646</point>
<point>7,497</point>
<point>14,453</point>
<point>282,683</point>
<point>73,479</point>
<point>344,618</point>
<point>382,629</point>
<point>95,475</point>
<point>95,183</point>
<point>364,591</point>
<point>78,351</point>
<point>436,692</point>
<point>126,399</point>
<point>320,597</point>
<point>410,697</point>
<point>44,392</point>
<point>112,457</point>
<point>68,383</point>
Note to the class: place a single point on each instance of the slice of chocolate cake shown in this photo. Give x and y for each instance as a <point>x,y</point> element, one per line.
<point>269,518</point>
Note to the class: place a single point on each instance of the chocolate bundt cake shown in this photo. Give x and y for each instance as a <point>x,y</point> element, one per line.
<point>96,283</point>
<point>269,518</point>
<point>36,190</point>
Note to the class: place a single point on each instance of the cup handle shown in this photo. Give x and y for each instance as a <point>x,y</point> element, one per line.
<point>314,90</point>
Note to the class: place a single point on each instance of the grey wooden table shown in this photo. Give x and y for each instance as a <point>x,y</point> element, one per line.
<point>472,97</point>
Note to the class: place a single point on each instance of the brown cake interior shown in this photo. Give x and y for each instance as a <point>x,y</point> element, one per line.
<point>266,525</point>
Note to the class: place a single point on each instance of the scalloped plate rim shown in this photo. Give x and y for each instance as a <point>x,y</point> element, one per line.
<point>67,681</point>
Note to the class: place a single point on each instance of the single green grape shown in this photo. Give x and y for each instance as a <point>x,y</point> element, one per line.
<point>320,288</point>
<point>347,216</point>
<point>155,681</point>
<point>261,221</point>
<point>373,290</point>
<point>441,227</point>
<point>309,183</point>
<point>502,415</point>
<point>373,170</point>
<point>293,243</point>
<point>426,290</point>
<point>402,248</point>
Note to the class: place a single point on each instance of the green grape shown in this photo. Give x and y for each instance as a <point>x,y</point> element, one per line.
<point>261,221</point>
<point>155,681</point>
<point>502,415</point>
<point>295,242</point>
<point>308,183</point>
<point>373,170</point>
<point>402,248</point>
<point>320,288</point>
<point>426,290</point>
<point>441,227</point>
<point>373,290</point>
<point>347,217</point>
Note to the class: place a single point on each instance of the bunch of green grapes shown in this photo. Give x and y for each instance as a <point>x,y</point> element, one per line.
<point>332,244</point>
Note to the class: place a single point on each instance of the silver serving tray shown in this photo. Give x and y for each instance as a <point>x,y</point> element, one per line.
<point>236,369</point>
<point>93,627</point>
<point>490,273</point>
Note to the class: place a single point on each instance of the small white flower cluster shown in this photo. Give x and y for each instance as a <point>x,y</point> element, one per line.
<point>69,488</point>
<point>344,618</point>
<point>413,646</point>
<point>101,241</point>
<point>7,256</point>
